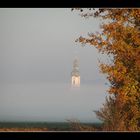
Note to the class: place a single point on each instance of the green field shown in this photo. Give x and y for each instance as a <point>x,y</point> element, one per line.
<point>52,126</point>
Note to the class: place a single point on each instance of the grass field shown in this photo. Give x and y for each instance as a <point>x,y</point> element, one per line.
<point>40,126</point>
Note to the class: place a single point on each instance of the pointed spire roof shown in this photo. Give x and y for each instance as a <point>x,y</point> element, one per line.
<point>75,71</point>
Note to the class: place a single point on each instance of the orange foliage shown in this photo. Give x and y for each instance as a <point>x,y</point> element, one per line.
<point>120,37</point>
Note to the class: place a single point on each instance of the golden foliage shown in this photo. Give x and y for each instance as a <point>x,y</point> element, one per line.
<point>120,37</point>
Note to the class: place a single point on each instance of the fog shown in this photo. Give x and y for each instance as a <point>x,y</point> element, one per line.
<point>50,102</point>
<point>37,50</point>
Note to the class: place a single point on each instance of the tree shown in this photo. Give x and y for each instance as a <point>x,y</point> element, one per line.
<point>111,115</point>
<point>120,38</point>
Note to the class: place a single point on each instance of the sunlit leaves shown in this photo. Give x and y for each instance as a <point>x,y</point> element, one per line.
<point>120,37</point>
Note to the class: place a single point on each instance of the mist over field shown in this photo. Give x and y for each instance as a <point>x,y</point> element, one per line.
<point>37,50</point>
<point>49,102</point>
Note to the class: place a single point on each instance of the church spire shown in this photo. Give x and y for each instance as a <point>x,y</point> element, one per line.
<point>75,74</point>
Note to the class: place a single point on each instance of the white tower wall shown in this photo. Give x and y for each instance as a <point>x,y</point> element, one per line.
<point>75,81</point>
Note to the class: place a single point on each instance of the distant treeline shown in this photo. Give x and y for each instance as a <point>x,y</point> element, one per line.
<point>44,126</point>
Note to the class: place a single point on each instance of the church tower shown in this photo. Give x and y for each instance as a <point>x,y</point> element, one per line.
<point>75,74</point>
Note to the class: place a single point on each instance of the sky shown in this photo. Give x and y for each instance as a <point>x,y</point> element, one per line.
<point>37,50</point>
